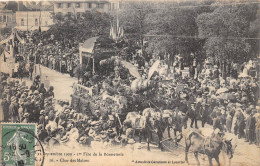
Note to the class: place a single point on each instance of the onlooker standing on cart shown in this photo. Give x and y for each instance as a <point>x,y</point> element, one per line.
<point>13,110</point>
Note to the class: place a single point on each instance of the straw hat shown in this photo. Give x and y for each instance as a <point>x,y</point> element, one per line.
<point>26,115</point>
<point>64,139</point>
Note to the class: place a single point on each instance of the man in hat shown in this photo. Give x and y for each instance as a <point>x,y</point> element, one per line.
<point>50,92</point>
<point>5,108</point>
<point>97,115</point>
<point>42,89</point>
<point>250,128</point>
<point>42,132</point>
<point>257,130</point>
<point>42,118</point>
<point>240,123</point>
<point>13,110</point>
<point>20,112</point>
<point>193,115</point>
<point>37,81</point>
<point>229,122</point>
<point>31,69</point>
<point>204,113</point>
<point>25,118</point>
<point>217,122</point>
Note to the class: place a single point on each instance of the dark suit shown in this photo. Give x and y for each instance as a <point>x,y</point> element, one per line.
<point>13,111</point>
<point>250,128</point>
<point>204,115</point>
<point>193,116</point>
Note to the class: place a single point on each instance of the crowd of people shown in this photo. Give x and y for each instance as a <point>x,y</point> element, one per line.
<point>60,55</point>
<point>230,104</point>
<point>226,100</point>
<point>56,121</point>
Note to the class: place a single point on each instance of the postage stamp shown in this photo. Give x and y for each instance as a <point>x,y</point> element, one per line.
<point>20,146</point>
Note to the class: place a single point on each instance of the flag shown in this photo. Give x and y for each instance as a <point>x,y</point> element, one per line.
<point>117,25</point>
<point>110,33</point>
<point>116,32</point>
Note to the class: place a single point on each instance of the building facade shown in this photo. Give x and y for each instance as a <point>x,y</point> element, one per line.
<point>32,20</point>
<point>31,15</point>
<point>78,7</point>
<point>7,18</point>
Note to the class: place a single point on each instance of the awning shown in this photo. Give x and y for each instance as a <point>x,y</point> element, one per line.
<point>19,38</point>
<point>88,45</point>
<point>12,37</point>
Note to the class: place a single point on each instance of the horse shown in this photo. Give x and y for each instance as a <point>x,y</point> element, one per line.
<point>210,146</point>
<point>146,124</point>
<point>175,120</point>
<point>140,124</point>
<point>159,124</point>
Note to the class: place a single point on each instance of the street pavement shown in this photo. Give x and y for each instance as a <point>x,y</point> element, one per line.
<point>62,83</point>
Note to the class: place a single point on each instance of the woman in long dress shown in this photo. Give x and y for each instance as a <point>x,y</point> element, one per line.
<point>1,111</point>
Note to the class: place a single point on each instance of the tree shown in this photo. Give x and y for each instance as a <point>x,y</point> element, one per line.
<point>177,25</point>
<point>89,24</point>
<point>134,18</point>
<point>225,30</point>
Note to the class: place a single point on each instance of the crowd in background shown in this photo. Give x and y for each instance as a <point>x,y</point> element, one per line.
<point>60,55</point>
<point>226,100</point>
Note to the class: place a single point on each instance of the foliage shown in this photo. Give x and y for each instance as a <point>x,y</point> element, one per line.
<point>225,29</point>
<point>134,18</point>
<point>178,26</point>
<point>80,28</point>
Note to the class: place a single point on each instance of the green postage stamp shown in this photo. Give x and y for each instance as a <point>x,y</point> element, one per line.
<point>19,145</point>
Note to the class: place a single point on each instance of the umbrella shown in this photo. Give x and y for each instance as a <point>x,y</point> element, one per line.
<point>221,90</point>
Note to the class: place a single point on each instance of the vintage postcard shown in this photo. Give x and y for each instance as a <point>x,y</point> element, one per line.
<point>129,83</point>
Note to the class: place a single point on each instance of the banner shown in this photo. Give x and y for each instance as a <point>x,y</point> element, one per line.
<point>20,39</point>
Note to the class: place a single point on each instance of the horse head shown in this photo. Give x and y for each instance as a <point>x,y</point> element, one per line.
<point>228,148</point>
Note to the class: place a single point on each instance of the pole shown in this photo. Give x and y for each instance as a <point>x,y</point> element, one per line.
<point>27,20</point>
<point>93,65</point>
<point>40,15</point>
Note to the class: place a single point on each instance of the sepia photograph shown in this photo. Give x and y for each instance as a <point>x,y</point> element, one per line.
<point>129,82</point>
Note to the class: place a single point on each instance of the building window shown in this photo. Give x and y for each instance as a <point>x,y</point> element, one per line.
<point>90,5</point>
<point>4,19</point>
<point>59,5</point>
<point>46,23</point>
<point>100,6</point>
<point>68,5</point>
<point>0,18</point>
<point>113,6</point>
<point>36,22</point>
<point>77,5</point>
<point>22,22</point>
